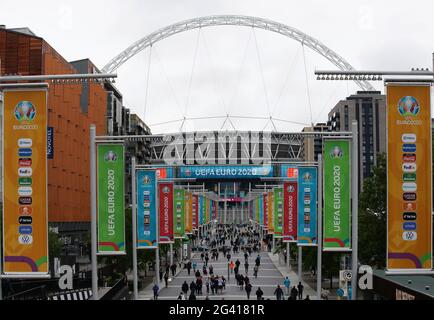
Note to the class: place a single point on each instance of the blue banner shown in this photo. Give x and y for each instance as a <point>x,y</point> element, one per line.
<point>307,206</point>
<point>146,209</point>
<point>226,172</point>
<point>261,210</point>
<point>201,210</point>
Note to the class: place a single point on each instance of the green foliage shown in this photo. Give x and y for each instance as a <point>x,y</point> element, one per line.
<point>373,217</point>
<point>54,245</point>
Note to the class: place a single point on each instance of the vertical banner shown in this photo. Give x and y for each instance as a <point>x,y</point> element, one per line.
<point>307,206</point>
<point>261,211</point>
<point>165,196</point>
<point>337,191</point>
<point>278,212</point>
<point>214,210</point>
<point>409,178</point>
<point>188,213</point>
<point>201,210</point>
<point>147,209</point>
<point>25,221</point>
<point>290,211</point>
<point>110,192</point>
<point>257,211</point>
<point>265,210</point>
<point>179,218</point>
<point>195,211</point>
<point>270,207</point>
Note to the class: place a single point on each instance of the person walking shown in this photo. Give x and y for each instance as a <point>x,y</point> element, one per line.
<point>193,287</point>
<point>173,269</point>
<point>294,293</point>
<point>207,285</point>
<point>211,270</point>
<point>228,256</point>
<point>184,287</point>
<point>255,271</point>
<point>278,293</point>
<point>248,289</point>
<point>181,296</point>
<point>246,256</point>
<point>258,261</point>
<point>199,286</point>
<point>246,267</point>
<point>300,288</point>
<point>188,267</point>
<point>232,266</point>
<point>194,265</point>
<point>307,297</point>
<point>287,284</point>
<point>155,289</point>
<point>259,293</point>
<point>192,296</point>
<point>166,279</point>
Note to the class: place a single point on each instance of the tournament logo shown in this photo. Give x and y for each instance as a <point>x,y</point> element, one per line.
<point>25,111</point>
<point>336,153</point>
<point>408,106</point>
<point>307,177</point>
<point>291,189</point>
<point>166,190</point>
<point>110,156</point>
<point>146,179</point>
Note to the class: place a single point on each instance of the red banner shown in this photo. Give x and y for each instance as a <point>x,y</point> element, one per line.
<point>165,191</point>
<point>265,210</point>
<point>195,212</point>
<point>290,212</point>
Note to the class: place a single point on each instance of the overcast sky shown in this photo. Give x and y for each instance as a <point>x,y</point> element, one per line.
<point>230,61</point>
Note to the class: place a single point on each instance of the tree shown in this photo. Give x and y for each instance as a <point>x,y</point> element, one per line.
<point>373,216</point>
<point>54,245</point>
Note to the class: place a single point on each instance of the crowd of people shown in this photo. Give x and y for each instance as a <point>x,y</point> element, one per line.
<point>244,240</point>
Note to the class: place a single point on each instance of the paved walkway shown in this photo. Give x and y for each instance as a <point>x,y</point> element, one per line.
<point>270,274</point>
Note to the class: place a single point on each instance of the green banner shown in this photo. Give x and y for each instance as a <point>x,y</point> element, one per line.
<point>111,210</point>
<point>179,212</point>
<point>337,190</point>
<point>278,212</point>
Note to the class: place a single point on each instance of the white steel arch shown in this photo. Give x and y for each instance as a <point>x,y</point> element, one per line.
<point>233,20</point>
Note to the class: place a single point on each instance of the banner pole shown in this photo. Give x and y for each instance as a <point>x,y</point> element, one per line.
<point>157,250</point>
<point>355,207</point>
<point>171,254</point>
<point>288,257</point>
<point>320,236</point>
<point>94,264</point>
<point>134,227</point>
<point>300,258</point>
<point>1,216</point>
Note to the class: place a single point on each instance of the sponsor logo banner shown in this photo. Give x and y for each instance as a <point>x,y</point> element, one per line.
<point>146,209</point>
<point>409,190</point>
<point>25,221</point>
<point>307,206</point>
<point>111,195</point>
<point>165,192</point>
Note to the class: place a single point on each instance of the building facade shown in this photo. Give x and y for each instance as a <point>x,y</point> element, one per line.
<point>312,146</point>
<point>369,109</point>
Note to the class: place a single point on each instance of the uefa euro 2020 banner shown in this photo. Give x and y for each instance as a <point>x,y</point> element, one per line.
<point>290,205</point>
<point>307,206</point>
<point>110,189</point>
<point>179,213</point>
<point>188,212</point>
<point>337,191</point>
<point>409,176</point>
<point>25,221</point>
<point>147,220</point>
<point>165,208</point>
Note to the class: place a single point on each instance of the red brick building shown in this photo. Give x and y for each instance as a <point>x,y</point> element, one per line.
<point>71,110</point>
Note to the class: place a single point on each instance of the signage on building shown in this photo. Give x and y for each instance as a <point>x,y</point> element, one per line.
<point>226,172</point>
<point>290,211</point>
<point>278,212</point>
<point>179,213</point>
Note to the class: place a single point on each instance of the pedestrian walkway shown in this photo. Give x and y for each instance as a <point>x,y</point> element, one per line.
<point>293,277</point>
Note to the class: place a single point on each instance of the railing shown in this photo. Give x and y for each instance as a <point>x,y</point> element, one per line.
<point>119,291</point>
